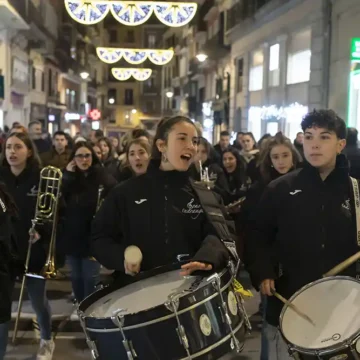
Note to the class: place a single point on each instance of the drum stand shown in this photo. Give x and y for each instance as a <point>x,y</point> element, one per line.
<point>118,320</point>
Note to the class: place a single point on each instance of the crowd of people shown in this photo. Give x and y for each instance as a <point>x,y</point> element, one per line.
<point>292,225</point>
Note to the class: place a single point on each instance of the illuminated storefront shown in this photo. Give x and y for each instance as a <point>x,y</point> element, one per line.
<point>272,119</point>
<point>354,85</point>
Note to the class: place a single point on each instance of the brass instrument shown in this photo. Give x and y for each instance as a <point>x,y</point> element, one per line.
<point>46,211</point>
<point>232,207</point>
<point>204,178</point>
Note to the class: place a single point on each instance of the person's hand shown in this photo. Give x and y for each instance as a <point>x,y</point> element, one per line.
<point>266,286</point>
<point>71,166</point>
<point>131,268</point>
<point>189,268</point>
<point>34,236</point>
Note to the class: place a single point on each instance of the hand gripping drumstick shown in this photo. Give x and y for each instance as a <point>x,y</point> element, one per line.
<point>343,265</point>
<point>292,306</point>
<point>133,255</point>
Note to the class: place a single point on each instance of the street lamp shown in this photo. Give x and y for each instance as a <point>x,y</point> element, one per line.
<point>111,101</point>
<point>84,75</point>
<point>201,57</point>
<point>169,94</point>
<point>134,111</point>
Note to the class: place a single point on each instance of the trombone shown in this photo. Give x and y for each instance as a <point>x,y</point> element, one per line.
<point>46,211</point>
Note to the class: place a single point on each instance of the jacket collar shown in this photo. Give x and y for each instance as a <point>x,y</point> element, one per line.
<point>172,176</point>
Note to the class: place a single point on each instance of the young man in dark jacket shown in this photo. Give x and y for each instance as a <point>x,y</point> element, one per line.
<point>305,224</point>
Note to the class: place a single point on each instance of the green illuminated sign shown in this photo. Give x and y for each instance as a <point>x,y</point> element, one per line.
<point>355,49</point>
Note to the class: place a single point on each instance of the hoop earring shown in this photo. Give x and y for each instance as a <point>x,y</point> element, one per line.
<point>164,158</point>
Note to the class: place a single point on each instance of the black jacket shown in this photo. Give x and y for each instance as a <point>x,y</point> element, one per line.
<point>24,190</point>
<point>8,253</point>
<point>160,213</point>
<point>81,194</point>
<point>304,226</point>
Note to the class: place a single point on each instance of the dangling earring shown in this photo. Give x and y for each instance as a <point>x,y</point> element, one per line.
<point>164,158</point>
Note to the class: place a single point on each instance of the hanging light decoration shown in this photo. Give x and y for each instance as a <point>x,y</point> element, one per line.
<point>134,56</point>
<point>123,74</point>
<point>131,13</point>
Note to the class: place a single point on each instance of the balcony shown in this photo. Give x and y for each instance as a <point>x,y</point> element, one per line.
<point>215,47</point>
<point>13,14</point>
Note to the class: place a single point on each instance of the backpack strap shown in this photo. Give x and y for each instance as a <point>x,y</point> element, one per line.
<point>214,214</point>
<point>356,192</point>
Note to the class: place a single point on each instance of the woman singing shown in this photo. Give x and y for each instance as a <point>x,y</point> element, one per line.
<point>159,211</point>
<point>20,171</point>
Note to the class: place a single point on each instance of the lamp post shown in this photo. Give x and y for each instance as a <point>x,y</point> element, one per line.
<point>201,57</point>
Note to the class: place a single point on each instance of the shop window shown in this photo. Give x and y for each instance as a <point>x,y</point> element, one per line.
<point>274,65</point>
<point>256,71</point>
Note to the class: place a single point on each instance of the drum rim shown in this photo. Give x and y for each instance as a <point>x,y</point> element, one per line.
<point>324,350</point>
<point>221,273</point>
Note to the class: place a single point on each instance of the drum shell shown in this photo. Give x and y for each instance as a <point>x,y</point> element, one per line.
<point>153,333</point>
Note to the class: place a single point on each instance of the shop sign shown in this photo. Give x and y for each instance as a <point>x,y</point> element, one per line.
<point>355,49</point>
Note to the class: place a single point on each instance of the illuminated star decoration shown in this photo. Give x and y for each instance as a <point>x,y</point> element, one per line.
<point>123,74</point>
<point>131,13</point>
<point>134,56</point>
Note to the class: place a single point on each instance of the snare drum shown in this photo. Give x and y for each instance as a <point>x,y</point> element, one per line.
<point>333,304</point>
<point>164,316</point>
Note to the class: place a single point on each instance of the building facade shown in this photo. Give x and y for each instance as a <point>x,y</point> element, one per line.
<point>344,81</point>
<point>279,52</point>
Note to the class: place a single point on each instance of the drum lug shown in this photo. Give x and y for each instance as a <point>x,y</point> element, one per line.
<point>119,320</point>
<point>217,285</point>
<point>172,304</point>
<point>90,343</point>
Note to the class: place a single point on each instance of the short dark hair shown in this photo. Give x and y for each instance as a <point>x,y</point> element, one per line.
<point>60,133</point>
<point>137,133</point>
<point>352,136</point>
<point>224,133</point>
<point>326,119</point>
<point>163,129</point>
<point>99,133</point>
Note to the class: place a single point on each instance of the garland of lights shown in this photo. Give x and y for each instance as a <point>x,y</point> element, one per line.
<point>123,74</point>
<point>134,56</point>
<point>131,13</point>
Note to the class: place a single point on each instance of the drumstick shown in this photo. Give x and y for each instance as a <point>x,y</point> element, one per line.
<point>343,265</point>
<point>292,306</point>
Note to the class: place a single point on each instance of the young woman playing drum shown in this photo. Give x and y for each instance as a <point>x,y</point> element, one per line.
<point>159,211</point>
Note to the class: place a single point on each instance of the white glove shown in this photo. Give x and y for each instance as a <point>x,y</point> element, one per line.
<point>132,260</point>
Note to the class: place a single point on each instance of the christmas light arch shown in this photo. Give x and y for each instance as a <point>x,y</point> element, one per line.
<point>134,56</point>
<point>123,74</point>
<point>131,13</point>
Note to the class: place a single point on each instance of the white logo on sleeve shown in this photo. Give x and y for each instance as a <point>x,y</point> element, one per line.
<point>138,202</point>
<point>295,192</point>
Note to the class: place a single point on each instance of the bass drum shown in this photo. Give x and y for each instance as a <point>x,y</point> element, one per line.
<point>164,316</point>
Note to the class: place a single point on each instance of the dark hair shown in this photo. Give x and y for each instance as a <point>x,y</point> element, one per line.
<point>89,146</point>
<point>136,133</point>
<point>224,133</point>
<point>163,129</point>
<point>265,159</point>
<point>253,137</point>
<point>326,119</point>
<point>352,137</point>
<point>240,171</point>
<point>262,139</point>
<point>98,133</point>
<point>144,144</point>
<point>239,133</point>
<point>33,160</point>
<point>8,200</point>
<point>109,144</point>
<point>59,133</point>
<point>206,144</point>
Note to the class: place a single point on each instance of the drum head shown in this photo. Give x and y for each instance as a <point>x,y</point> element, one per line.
<point>333,304</point>
<point>142,295</point>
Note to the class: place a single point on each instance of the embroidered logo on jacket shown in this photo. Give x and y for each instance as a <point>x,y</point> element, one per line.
<point>33,191</point>
<point>138,202</point>
<point>295,192</point>
<point>194,209</point>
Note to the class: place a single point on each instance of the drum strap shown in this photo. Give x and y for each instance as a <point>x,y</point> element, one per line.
<point>214,212</point>
<point>355,187</point>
